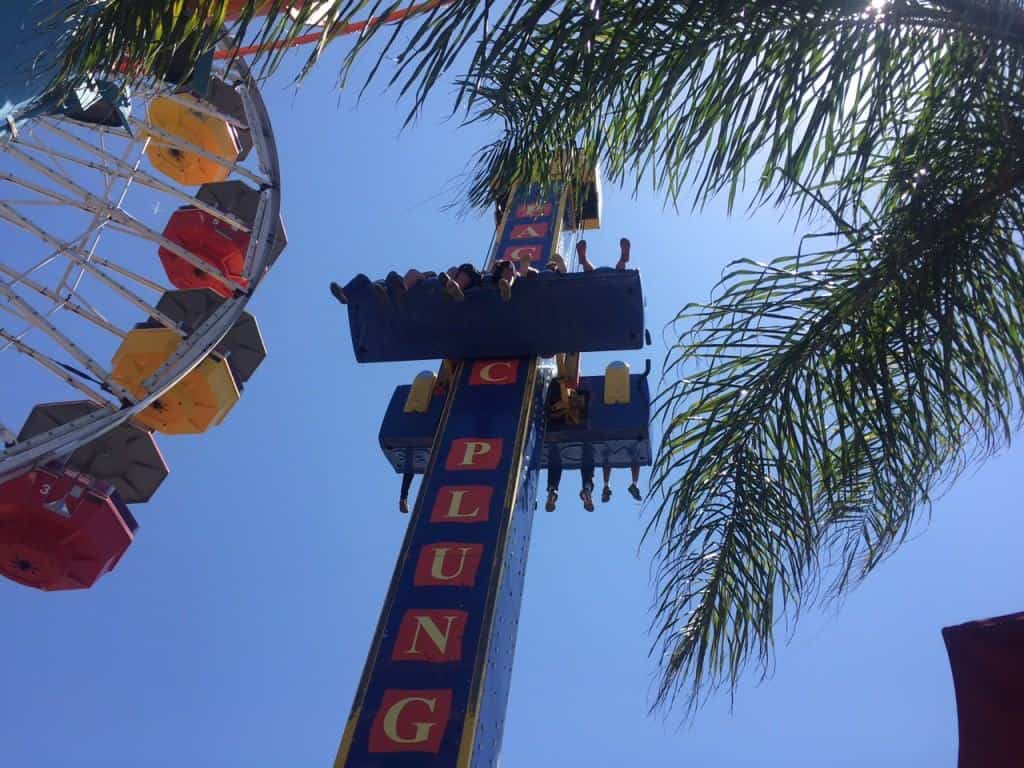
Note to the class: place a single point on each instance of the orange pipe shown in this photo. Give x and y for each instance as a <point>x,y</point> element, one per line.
<point>346,29</point>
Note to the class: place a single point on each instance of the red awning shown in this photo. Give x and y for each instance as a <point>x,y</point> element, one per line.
<point>987,658</point>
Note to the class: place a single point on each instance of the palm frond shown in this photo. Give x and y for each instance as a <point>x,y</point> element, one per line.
<point>823,400</point>
<point>703,96</point>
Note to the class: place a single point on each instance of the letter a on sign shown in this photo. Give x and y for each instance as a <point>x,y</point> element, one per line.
<point>529,231</point>
<point>448,564</point>
<point>410,721</point>
<point>430,635</point>
<point>474,453</point>
<point>495,372</point>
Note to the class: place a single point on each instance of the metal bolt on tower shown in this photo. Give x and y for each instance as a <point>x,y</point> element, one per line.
<point>436,682</point>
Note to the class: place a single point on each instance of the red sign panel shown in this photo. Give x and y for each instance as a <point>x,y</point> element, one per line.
<point>434,636</point>
<point>474,453</point>
<point>410,721</point>
<point>448,564</point>
<point>529,231</point>
<point>533,210</point>
<point>495,372</point>
<point>517,253</point>
<point>462,504</point>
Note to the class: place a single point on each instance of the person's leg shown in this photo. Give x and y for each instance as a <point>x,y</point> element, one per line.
<point>524,265</point>
<point>634,488</point>
<point>506,278</point>
<point>452,283</point>
<point>623,253</point>
<point>338,293</point>
<point>587,478</point>
<point>606,492</point>
<point>554,478</point>
<point>581,256</point>
<point>395,284</point>
<point>403,499</point>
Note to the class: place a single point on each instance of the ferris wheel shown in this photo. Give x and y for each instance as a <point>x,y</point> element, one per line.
<point>136,225</point>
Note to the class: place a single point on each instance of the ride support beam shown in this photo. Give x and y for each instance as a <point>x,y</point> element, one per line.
<point>436,682</point>
<point>437,678</point>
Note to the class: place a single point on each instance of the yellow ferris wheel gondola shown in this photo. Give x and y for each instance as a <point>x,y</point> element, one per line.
<point>199,401</point>
<point>179,127</point>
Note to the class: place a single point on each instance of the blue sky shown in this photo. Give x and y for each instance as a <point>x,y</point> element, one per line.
<point>234,632</point>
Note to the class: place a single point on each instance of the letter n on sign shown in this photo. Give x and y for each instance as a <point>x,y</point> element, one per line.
<point>430,635</point>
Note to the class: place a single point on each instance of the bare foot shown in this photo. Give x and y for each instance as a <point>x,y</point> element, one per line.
<point>581,255</point>
<point>524,265</point>
<point>623,253</point>
<point>557,263</point>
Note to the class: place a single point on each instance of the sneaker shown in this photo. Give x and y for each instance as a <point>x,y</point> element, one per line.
<point>339,294</point>
<point>403,506</point>
<point>634,492</point>
<point>623,253</point>
<point>505,286</point>
<point>549,505</point>
<point>588,500</point>
<point>606,495</point>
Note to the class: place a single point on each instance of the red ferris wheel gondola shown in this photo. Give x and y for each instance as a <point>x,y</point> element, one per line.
<point>61,529</point>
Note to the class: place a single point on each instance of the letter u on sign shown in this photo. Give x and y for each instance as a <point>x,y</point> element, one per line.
<point>448,564</point>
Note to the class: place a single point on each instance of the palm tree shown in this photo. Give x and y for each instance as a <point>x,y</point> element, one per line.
<point>816,404</point>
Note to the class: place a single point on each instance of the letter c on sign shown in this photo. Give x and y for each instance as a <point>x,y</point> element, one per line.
<point>494,372</point>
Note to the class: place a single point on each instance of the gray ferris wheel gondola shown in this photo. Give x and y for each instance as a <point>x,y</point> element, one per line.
<point>242,346</point>
<point>126,457</point>
<point>237,199</point>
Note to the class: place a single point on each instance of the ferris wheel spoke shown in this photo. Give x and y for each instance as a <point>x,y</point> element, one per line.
<point>105,214</point>
<point>36,356</point>
<point>93,266</point>
<point>36,318</point>
<point>144,178</point>
<point>64,302</point>
<point>17,201</point>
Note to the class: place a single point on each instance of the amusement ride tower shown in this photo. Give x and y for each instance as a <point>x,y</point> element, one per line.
<point>508,402</point>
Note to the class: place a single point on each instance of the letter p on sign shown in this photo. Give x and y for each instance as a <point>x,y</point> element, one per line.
<point>474,453</point>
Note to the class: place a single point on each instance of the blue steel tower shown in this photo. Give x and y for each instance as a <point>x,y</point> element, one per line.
<point>436,682</point>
